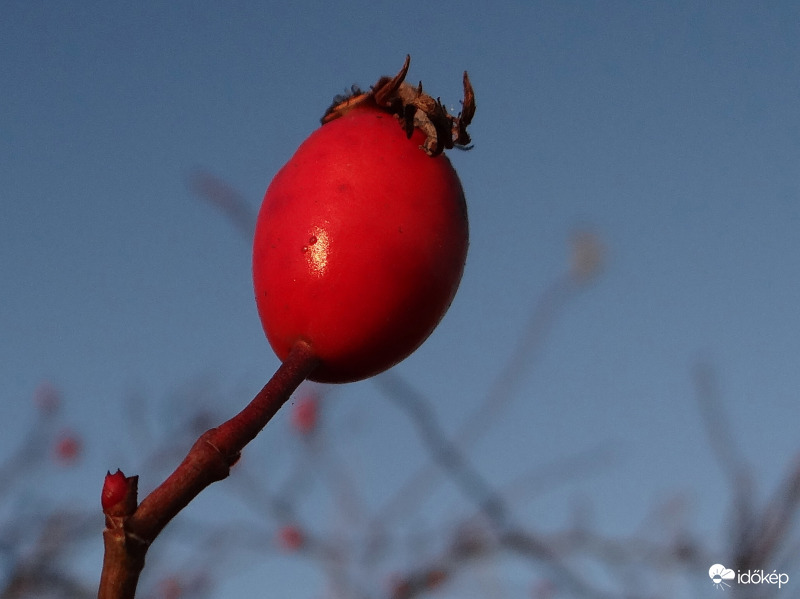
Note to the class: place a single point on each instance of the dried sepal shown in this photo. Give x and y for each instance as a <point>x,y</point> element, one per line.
<point>415,110</point>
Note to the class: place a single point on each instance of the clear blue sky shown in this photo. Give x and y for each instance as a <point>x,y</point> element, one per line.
<point>672,130</point>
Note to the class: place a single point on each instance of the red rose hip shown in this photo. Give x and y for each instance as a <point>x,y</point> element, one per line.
<point>361,240</point>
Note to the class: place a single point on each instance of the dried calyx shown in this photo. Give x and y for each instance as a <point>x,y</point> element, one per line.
<point>415,110</point>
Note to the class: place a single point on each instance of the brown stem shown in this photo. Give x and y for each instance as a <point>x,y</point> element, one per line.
<point>128,536</point>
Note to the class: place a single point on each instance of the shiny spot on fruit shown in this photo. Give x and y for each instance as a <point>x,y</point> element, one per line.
<point>317,251</point>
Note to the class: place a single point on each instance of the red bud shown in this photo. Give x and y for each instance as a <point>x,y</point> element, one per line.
<point>118,492</point>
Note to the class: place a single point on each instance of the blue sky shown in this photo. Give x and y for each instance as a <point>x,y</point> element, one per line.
<point>670,130</point>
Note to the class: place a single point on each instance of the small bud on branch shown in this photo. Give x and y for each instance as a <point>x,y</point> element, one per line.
<point>130,531</point>
<point>118,497</point>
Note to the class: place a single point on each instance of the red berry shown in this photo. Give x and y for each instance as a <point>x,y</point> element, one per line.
<point>361,239</point>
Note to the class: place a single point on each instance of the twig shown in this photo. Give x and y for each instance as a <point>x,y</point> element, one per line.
<point>441,449</point>
<point>131,529</point>
<point>500,394</point>
<point>730,459</point>
<point>218,193</point>
<point>777,520</point>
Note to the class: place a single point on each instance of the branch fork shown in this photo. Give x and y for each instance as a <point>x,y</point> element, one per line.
<point>131,528</point>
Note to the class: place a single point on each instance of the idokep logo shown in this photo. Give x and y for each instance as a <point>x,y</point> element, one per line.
<point>719,574</point>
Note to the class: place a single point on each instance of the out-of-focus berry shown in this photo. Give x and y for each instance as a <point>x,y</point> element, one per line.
<point>305,413</point>
<point>68,448</point>
<point>290,537</point>
<point>170,588</point>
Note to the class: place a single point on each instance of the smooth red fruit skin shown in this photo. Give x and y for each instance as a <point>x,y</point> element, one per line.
<point>359,247</point>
